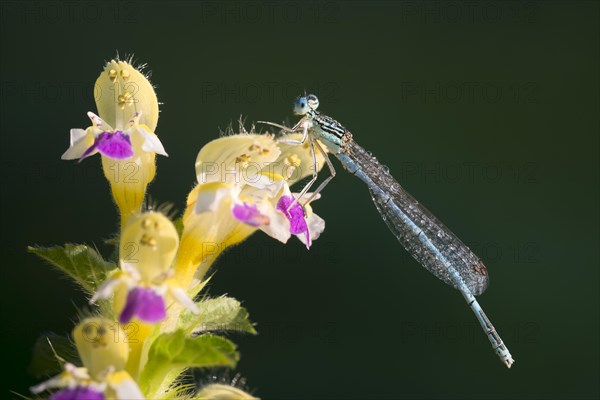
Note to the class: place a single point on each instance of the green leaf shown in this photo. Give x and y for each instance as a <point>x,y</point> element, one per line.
<point>81,262</point>
<point>46,352</point>
<point>172,352</point>
<point>220,314</point>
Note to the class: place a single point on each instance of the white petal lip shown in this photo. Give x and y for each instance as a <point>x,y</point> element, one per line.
<point>131,270</point>
<point>160,290</point>
<point>128,390</point>
<point>267,183</point>
<point>68,378</point>
<point>181,296</point>
<point>50,383</point>
<point>77,372</point>
<point>107,287</point>
<point>76,135</point>
<point>209,200</point>
<point>99,122</point>
<point>105,290</point>
<point>79,145</point>
<point>316,225</point>
<point>302,238</point>
<point>151,142</point>
<point>278,228</point>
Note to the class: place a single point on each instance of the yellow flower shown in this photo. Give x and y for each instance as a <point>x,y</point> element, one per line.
<point>147,249</point>
<point>144,288</point>
<point>102,345</point>
<point>103,349</point>
<point>123,134</point>
<point>241,182</point>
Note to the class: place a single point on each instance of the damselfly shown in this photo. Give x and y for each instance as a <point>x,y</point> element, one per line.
<point>429,241</point>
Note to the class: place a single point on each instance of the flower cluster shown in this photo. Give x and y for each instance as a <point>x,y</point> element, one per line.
<point>123,134</point>
<point>148,326</point>
<point>243,185</point>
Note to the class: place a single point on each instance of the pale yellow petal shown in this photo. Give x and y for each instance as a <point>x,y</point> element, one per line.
<point>128,181</point>
<point>149,243</point>
<point>236,158</point>
<point>296,160</point>
<point>101,344</point>
<point>121,91</point>
<point>205,235</point>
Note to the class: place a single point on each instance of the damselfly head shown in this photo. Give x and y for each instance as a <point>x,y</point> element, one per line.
<point>304,104</point>
<point>301,106</point>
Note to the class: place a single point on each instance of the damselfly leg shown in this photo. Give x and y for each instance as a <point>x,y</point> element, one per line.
<point>304,125</point>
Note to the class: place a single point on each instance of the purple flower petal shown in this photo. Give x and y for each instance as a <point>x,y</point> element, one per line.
<point>116,145</point>
<point>77,393</point>
<point>295,215</point>
<point>145,304</point>
<point>249,214</point>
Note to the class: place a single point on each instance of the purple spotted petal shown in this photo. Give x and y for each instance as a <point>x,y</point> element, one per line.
<point>116,145</point>
<point>77,393</point>
<point>249,214</point>
<point>145,304</point>
<point>295,215</point>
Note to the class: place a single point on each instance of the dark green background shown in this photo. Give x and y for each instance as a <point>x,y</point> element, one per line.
<point>511,167</point>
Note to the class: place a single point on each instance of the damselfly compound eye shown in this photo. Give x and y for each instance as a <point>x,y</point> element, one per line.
<point>301,106</point>
<point>313,101</point>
